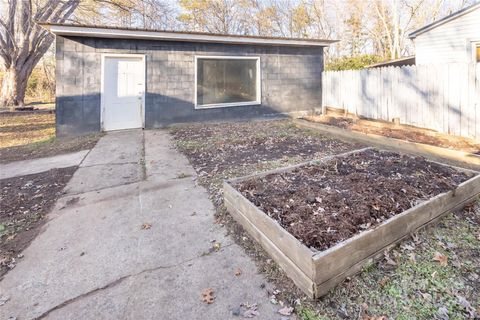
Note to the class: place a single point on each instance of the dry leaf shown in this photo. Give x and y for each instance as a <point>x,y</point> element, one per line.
<point>208,295</point>
<point>4,300</point>
<point>250,313</point>
<point>286,311</point>
<point>426,296</point>
<point>383,281</point>
<point>408,247</point>
<point>238,272</point>
<point>412,257</point>
<point>146,226</point>
<point>389,260</point>
<point>416,238</point>
<point>440,258</point>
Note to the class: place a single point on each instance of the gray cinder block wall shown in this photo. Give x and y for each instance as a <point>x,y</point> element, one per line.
<point>290,81</point>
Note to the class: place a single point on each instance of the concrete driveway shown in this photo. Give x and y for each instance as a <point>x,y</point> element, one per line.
<point>94,260</point>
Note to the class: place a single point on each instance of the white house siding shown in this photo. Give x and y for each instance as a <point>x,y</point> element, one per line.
<point>450,42</point>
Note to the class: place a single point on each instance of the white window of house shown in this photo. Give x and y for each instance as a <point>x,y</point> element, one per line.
<point>227,81</point>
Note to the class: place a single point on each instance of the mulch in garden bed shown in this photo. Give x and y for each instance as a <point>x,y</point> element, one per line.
<point>24,203</point>
<point>403,132</point>
<point>326,203</point>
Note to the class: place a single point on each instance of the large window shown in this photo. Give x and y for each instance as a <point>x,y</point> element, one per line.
<point>227,81</point>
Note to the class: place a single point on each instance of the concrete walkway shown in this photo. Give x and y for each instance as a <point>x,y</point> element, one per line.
<point>21,168</point>
<point>94,260</point>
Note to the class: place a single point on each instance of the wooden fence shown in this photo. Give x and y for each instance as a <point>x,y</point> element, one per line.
<point>445,97</point>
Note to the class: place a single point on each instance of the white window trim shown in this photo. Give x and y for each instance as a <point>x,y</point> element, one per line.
<point>102,82</point>
<point>258,101</point>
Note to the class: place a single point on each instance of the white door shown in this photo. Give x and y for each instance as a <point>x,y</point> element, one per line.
<point>123,92</point>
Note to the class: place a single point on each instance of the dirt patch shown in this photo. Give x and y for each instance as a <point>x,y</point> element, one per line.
<point>25,202</point>
<point>324,204</point>
<point>219,147</point>
<point>29,135</point>
<point>407,133</point>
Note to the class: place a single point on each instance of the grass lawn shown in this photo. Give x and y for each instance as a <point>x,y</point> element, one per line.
<point>27,135</point>
<point>410,283</point>
<point>26,128</point>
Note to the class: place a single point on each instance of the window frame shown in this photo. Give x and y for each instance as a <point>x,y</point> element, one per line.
<point>258,100</point>
<point>474,44</point>
<point>476,47</point>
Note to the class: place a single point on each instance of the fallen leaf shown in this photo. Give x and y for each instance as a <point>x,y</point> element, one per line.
<point>208,295</point>
<point>4,300</point>
<point>412,257</point>
<point>466,305</point>
<point>408,247</point>
<point>416,238</point>
<point>426,296</point>
<point>286,311</point>
<point>440,258</point>
<point>389,260</point>
<point>383,281</point>
<point>146,226</point>
<point>238,272</point>
<point>442,313</point>
<point>250,313</point>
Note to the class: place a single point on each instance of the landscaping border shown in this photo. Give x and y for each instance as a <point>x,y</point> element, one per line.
<point>315,273</point>
<point>459,158</point>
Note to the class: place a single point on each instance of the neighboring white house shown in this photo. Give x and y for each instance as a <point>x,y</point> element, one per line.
<point>455,38</point>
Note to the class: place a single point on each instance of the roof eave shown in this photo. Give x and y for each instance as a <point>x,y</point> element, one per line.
<point>95,31</point>
<point>444,20</point>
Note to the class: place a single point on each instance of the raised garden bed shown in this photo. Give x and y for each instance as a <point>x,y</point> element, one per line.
<point>322,221</point>
<point>451,156</point>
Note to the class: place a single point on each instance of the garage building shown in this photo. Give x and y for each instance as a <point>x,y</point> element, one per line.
<point>116,78</point>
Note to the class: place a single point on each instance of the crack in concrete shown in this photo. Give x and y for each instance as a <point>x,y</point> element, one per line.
<point>116,282</point>
<point>111,164</point>
<point>68,195</point>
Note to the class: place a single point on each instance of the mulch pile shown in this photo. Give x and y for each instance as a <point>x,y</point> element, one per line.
<point>24,203</point>
<point>324,204</point>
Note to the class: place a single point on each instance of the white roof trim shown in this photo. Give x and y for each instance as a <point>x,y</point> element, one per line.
<point>444,20</point>
<point>84,31</point>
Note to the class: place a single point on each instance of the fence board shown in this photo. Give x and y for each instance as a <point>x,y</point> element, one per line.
<point>441,97</point>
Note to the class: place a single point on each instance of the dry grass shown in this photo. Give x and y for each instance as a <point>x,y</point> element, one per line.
<point>22,129</point>
<point>32,135</point>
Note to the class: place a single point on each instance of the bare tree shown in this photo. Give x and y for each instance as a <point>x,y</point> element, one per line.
<point>23,42</point>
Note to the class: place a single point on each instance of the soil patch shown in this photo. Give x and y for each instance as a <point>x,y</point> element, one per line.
<point>219,147</point>
<point>324,204</point>
<point>25,202</point>
<point>402,132</point>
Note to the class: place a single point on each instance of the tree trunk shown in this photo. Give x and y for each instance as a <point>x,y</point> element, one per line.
<point>14,85</point>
